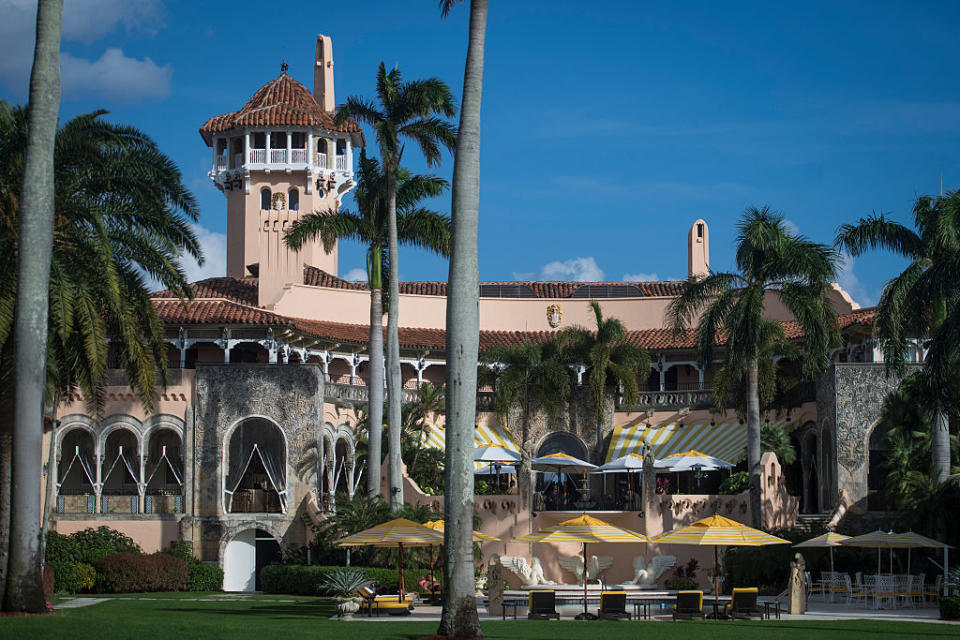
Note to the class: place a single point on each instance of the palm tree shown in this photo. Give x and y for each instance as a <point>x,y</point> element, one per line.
<point>370,225</point>
<point>406,111</point>
<point>527,377</point>
<point>430,403</point>
<point>921,302</point>
<point>121,212</point>
<point>771,261</point>
<point>613,360</point>
<point>459,617</point>
<point>21,571</point>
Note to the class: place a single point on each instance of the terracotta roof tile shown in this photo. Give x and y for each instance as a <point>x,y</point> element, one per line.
<point>281,102</point>
<point>172,311</point>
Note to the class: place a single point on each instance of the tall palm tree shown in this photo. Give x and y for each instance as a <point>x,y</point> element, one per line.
<point>921,302</point>
<point>370,225</point>
<point>407,110</point>
<point>459,617</point>
<point>771,261</point>
<point>527,377</point>
<point>430,403</point>
<point>613,361</point>
<point>120,211</point>
<point>23,591</point>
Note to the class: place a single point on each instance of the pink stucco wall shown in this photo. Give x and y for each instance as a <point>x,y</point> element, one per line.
<point>151,535</point>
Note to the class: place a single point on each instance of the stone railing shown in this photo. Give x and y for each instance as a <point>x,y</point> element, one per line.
<point>699,399</point>
<point>352,393</point>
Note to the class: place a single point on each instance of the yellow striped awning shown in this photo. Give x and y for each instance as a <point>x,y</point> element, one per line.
<point>724,440</point>
<point>585,529</point>
<point>434,436</point>
<point>720,532</point>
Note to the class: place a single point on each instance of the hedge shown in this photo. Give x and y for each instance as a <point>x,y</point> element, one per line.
<point>75,577</point>
<point>134,573</point>
<point>205,577</point>
<point>304,580</point>
<point>950,608</point>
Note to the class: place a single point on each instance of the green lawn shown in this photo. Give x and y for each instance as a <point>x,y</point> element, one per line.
<point>178,617</point>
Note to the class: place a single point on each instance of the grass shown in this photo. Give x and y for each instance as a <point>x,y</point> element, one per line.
<point>271,617</point>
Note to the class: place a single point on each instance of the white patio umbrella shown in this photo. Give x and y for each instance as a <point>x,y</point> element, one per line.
<point>914,541</point>
<point>691,460</point>
<point>627,464</point>
<point>561,463</point>
<point>492,455</point>
<point>491,470</point>
<point>878,540</point>
<point>828,540</point>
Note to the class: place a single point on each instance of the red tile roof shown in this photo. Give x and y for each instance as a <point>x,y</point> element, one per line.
<point>281,102</point>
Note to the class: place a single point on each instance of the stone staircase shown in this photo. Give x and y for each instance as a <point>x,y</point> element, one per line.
<point>811,523</point>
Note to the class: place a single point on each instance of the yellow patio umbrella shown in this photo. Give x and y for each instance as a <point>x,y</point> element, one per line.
<point>584,529</point>
<point>437,525</point>
<point>395,533</point>
<point>717,531</point>
<point>830,539</point>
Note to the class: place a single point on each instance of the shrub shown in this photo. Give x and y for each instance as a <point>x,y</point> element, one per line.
<point>681,584</point>
<point>305,580</point>
<point>88,547</point>
<point>132,573</point>
<point>734,483</point>
<point>950,608</point>
<point>205,577</point>
<point>75,577</point>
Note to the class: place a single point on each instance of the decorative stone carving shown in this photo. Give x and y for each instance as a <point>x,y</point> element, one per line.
<point>798,585</point>
<point>530,574</point>
<point>597,565</point>
<point>645,576</point>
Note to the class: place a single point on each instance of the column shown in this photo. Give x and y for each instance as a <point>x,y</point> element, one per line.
<point>187,488</point>
<point>98,488</point>
<point>325,361</point>
<point>699,375</point>
<point>663,376</point>
<point>348,467</point>
<point>353,368</point>
<point>141,483</point>
<point>349,156</point>
<point>331,486</point>
<point>289,151</point>
<point>246,148</point>
<point>214,166</point>
<point>267,159</point>
<point>272,348</point>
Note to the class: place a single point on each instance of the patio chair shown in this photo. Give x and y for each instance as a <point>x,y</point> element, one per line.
<point>689,606</point>
<point>389,604</point>
<point>903,585</point>
<point>858,591</point>
<point>613,606</point>
<point>813,589</point>
<point>917,590</point>
<point>884,591</point>
<point>431,589</point>
<point>743,604</point>
<point>543,605</point>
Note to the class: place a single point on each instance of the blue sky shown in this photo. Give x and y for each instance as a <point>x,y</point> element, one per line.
<point>606,133</point>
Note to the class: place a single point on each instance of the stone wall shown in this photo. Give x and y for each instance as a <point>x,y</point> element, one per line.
<point>290,396</point>
<point>849,401</point>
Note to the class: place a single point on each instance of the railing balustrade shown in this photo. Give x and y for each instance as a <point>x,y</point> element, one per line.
<point>321,161</point>
<point>278,156</point>
<point>298,156</point>
<point>220,163</point>
<point>341,163</point>
<point>258,156</point>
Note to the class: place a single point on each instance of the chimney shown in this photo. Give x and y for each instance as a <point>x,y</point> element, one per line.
<point>698,250</point>
<point>323,74</point>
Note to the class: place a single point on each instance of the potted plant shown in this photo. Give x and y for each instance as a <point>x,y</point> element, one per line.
<point>344,585</point>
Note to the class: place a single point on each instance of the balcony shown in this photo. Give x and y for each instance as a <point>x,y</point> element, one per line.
<point>278,159</point>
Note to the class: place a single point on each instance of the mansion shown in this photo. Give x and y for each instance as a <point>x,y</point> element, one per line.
<point>256,430</point>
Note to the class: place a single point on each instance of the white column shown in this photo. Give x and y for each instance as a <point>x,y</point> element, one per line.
<point>98,488</point>
<point>267,159</point>
<point>141,484</point>
<point>349,156</point>
<point>353,369</point>
<point>289,149</point>
<point>699,375</point>
<point>246,148</point>
<point>663,376</point>
<point>214,167</point>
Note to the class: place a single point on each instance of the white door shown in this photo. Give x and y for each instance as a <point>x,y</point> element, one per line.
<point>240,562</point>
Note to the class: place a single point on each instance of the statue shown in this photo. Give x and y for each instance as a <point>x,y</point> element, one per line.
<point>495,585</point>
<point>798,585</point>
<point>596,566</point>
<point>530,575</point>
<point>647,576</point>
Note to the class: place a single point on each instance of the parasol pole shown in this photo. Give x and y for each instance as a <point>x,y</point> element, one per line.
<point>584,579</point>
<point>831,560</point>
<point>400,572</point>
<point>716,581</point>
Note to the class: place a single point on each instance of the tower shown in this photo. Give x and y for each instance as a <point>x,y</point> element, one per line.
<point>698,250</point>
<point>280,156</point>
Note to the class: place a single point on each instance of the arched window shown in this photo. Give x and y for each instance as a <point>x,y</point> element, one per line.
<point>294,199</point>
<point>555,490</point>
<point>163,475</point>
<point>76,472</point>
<point>265,199</point>
<point>256,464</point>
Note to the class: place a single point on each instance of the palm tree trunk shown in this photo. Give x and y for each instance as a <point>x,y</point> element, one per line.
<point>940,447</point>
<point>459,618</point>
<point>753,442</point>
<point>394,409</point>
<point>6,479</point>
<point>375,386</point>
<point>24,590</point>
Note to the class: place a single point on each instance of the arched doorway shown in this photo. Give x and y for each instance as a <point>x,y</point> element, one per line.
<point>245,555</point>
<point>557,492</point>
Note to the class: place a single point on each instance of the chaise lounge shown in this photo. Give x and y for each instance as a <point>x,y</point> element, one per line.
<point>390,604</point>
<point>543,605</point>
<point>743,604</point>
<point>613,606</point>
<point>689,606</point>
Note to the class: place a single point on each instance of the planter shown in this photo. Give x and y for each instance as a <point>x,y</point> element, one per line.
<point>346,607</point>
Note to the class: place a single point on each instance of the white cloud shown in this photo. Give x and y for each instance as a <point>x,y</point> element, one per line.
<point>640,277</point>
<point>575,269</point>
<point>113,75</point>
<point>214,246</point>
<point>116,76</point>
<point>791,226</point>
<point>355,275</point>
<point>850,283</point>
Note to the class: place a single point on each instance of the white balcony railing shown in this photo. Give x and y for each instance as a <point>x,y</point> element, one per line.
<point>298,156</point>
<point>278,156</point>
<point>258,156</point>
<point>341,163</point>
<point>220,163</point>
<point>321,161</point>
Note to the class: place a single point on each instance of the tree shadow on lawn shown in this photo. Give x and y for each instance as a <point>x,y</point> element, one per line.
<point>320,610</point>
